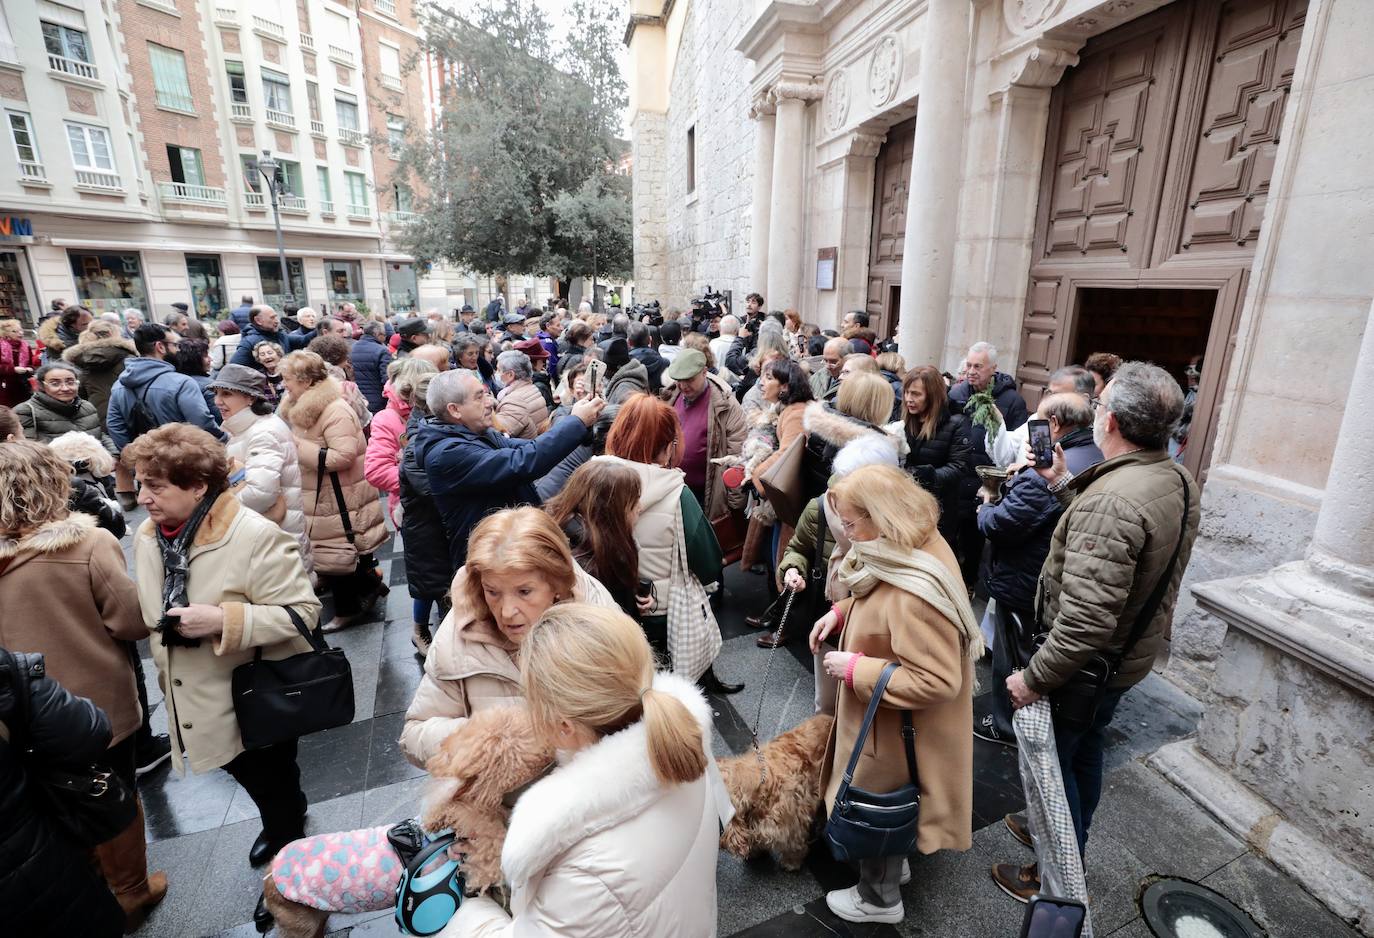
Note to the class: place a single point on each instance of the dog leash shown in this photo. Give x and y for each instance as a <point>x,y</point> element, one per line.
<point>767,670</point>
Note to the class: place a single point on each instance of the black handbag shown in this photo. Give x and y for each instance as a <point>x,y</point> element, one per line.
<point>89,804</point>
<point>1075,702</point>
<point>866,825</point>
<point>277,701</point>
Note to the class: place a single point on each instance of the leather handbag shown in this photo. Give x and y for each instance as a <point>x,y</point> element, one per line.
<point>782,483</point>
<point>89,804</point>
<point>730,530</point>
<point>867,825</point>
<point>1075,702</point>
<point>277,701</point>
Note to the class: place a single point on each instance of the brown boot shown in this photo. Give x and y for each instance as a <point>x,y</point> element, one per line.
<point>124,863</point>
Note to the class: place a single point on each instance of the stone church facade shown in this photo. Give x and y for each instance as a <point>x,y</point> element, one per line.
<point>1164,180</point>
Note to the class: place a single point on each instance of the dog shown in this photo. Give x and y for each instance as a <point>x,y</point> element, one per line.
<point>776,800</point>
<point>475,776</point>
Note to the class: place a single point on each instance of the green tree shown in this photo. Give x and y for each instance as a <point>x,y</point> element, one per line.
<point>519,171</point>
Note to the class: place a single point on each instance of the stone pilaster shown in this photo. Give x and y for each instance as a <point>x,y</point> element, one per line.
<point>786,222</point>
<point>763,112</point>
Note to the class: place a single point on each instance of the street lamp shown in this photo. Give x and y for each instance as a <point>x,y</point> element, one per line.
<point>268,167</point>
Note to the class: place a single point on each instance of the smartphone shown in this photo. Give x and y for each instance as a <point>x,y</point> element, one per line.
<point>644,588</point>
<point>1048,917</point>
<point>595,370</point>
<point>1041,443</point>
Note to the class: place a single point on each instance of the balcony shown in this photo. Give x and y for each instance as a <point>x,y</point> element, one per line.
<point>175,101</point>
<point>391,82</point>
<point>98,179</point>
<point>351,138</point>
<point>292,205</point>
<point>307,42</point>
<point>401,218</point>
<point>255,201</point>
<point>31,173</point>
<point>359,212</point>
<point>317,127</point>
<point>341,55</point>
<point>72,68</point>
<point>327,209</point>
<point>280,119</point>
<point>385,6</point>
<point>268,29</point>
<point>182,193</point>
<point>241,113</point>
<point>226,16</point>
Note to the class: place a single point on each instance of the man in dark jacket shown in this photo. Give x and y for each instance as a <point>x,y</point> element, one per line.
<point>1128,528</point>
<point>242,313</point>
<point>265,326</point>
<point>414,333</point>
<point>1018,530</point>
<point>149,385</point>
<point>474,470</point>
<point>980,367</point>
<point>370,357</point>
<point>654,363</point>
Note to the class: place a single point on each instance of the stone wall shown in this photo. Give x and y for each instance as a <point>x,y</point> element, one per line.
<point>649,205</point>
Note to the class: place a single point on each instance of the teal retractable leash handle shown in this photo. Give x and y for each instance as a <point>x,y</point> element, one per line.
<point>430,890</point>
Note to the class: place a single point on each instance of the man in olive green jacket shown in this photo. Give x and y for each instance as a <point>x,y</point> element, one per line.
<point>1125,518</point>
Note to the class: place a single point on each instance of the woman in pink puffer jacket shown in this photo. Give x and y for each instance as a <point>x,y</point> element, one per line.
<point>382,464</point>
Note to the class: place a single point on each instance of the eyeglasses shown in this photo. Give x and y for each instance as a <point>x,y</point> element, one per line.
<point>848,526</point>
<point>1094,403</point>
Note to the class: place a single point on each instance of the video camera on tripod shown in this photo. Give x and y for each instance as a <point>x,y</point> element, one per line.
<point>708,306</point>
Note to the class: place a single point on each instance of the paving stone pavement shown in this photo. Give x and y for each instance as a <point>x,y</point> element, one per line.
<point>200,826</point>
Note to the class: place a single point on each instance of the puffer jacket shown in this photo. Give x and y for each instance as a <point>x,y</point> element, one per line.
<point>14,385</point>
<point>265,448</point>
<point>382,462</point>
<point>837,444</point>
<point>1008,401</point>
<point>1109,550</point>
<point>172,398</point>
<point>940,463</point>
<point>471,667</point>
<point>520,410</point>
<point>370,359</point>
<point>422,527</point>
<point>252,335</point>
<point>101,361</point>
<point>45,418</point>
<point>35,860</point>
<point>1018,529</point>
<point>600,847</point>
<point>325,426</point>
<point>654,366</point>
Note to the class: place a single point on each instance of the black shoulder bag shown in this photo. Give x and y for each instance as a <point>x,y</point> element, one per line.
<point>88,805</point>
<point>338,498</point>
<point>281,700</point>
<point>1075,702</point>
<point>866,825</point>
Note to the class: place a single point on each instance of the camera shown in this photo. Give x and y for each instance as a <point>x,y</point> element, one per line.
<point>651,312</point>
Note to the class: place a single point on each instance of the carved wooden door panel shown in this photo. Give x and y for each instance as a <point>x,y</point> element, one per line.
<point>892,181</point>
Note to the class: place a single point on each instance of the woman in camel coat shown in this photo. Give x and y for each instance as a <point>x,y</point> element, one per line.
<point>907,605</point>
<point>330,443</point>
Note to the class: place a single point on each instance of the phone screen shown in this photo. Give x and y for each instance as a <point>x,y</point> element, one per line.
<point>594,371</point>
<point>1048,917</point>
<point>1041,444</point>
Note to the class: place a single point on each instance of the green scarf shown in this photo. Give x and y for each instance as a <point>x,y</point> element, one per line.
<point>870,562</point>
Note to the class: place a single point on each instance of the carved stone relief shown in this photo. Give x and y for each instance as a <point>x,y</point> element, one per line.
<point>1023,16</point>
<point>344,74</point>
<point>837,99</point>
<point>351,155</point>
<point>884,71</point>
<point>321,152</point>
<point>271,52</point>
<point>244,136</point>
<point>285,142</point>
<point>82,102</point>
<point>308,61</point>
<point>229,40</point>
<point>12,86</point>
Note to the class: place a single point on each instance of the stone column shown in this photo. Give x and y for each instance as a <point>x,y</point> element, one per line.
<point>936,170</point>
<point>786,222</point>
<point>763,113</point>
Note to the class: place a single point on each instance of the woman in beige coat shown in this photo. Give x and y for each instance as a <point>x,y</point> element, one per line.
<point>330,446</point>
<point>233,577</point>
<point>907,605</point>
<point>518,565</point>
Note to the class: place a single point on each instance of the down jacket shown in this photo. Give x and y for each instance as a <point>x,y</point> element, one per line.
<point>45,418</point>
<point>370,358</point>
<point>14,386</point>
<point>1008,401</point>
<point>600,848</point>
<point>1109,550</point>
<point>837,444</point>
<point>265,448</point>
<point>101,361</point>
<point>940,463</point>
<point>422,528</point>
<point>521,410</point>
<point>36,862</point>
<point>382,462</point>
<point>251,569</point>
<point>471,667</point>
<point>325,427</point>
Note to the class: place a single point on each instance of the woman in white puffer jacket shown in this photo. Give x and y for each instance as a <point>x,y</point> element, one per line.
<point>266,474</point>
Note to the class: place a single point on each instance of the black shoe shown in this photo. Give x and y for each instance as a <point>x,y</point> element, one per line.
<point>774,639</point>
<point>262,919</point>
<point>714,685</point>
<point>985,724</point>
<point>265,847</point>
<point>149,755</point>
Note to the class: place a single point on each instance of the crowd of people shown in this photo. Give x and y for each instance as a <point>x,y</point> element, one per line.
<point>568,489</point>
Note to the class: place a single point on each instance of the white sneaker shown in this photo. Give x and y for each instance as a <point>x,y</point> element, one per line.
<point>906,872</point>
<point>850,906</point>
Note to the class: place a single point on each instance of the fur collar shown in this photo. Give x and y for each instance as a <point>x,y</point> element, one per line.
<point>213,529</point>
<point>50,537</point>
<point>305,412</point>
<point>599,788</point>
<point>96,347</point>
<point>47,334</point>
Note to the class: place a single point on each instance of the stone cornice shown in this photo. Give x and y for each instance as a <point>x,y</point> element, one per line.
<point>804,91</point>
<point>774,20</point>
<point>864,146</point>
<point>642,19</point>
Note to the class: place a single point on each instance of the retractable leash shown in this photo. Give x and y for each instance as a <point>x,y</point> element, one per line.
<point>768,669</point>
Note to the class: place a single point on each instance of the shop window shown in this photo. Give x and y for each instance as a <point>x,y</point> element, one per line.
<point>269,273</point>
<point>108,282</point>
<point>345,280</point>
<point>207,285</point>
<point>171,86</point>
<point>14,298</point>
<point>402,288</point>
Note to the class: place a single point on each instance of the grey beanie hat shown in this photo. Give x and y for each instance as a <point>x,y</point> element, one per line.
<point>243,379</point>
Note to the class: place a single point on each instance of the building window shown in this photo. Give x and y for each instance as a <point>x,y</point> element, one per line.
<point>251,177</point>
<point>326,192</point>
<point>346,110</point>
<point>186,165</point>
<point>25,144</point>
<point>238,82</point>
<point>289,178</point>
<point>345,278</point>
<point>90,147</point>
<point>389,58</point>
<point>357,193</point>
<point>400,197</point>
<point>691,159</point>
<point>276,91</point>
<point>67,42</point>
<point>395,133</point>
<point>108,282</point>
<point>312,97</point>
<point>172,86</point>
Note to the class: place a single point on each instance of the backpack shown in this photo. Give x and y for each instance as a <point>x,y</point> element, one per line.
<point>141,416</point>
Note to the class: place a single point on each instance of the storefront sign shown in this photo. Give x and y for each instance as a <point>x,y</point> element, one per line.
<point>16,229</point>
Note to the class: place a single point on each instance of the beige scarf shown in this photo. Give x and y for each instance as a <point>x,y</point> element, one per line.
<point>870,562</point>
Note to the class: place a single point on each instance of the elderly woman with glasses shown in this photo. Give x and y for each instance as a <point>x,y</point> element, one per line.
<point>55,408</point>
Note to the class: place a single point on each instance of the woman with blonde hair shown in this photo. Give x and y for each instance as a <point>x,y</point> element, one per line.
<point>342,515</point>
<point>939,450</point>
<point>620,840</point>
<point>382,464</point>
<point>518,565</point>
<point>907,605</point>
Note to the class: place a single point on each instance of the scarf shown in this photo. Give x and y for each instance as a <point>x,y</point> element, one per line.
<point>870,562</point>
<point>176,568</point>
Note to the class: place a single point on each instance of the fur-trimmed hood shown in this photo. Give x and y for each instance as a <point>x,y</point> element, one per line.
<point>860,444</point>
<point>305,412</point>
<point>96,354</point>
<point>49,336</point>
<point>50,537</point>
<point>600,787</point>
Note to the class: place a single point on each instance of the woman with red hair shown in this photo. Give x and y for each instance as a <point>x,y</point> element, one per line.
<point>677,548</point>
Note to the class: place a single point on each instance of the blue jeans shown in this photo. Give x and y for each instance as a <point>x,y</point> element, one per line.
<point>1080,761</point>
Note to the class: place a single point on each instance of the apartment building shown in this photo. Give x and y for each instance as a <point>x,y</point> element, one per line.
<point>131,179</point>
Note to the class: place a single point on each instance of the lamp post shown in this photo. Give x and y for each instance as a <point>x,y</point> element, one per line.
<point>268,167</point>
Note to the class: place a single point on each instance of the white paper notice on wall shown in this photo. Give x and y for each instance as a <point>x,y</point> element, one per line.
<point>825,268</point>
